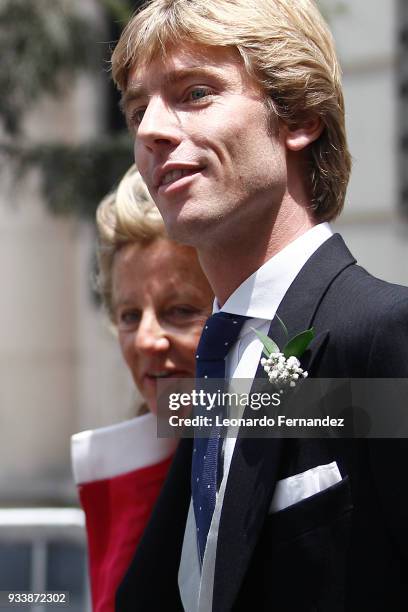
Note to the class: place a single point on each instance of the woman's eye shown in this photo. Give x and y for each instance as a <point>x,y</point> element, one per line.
<point>182,312</point>
<point>129,318</point>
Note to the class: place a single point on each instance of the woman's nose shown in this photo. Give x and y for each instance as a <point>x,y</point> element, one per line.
<point>150,335</point>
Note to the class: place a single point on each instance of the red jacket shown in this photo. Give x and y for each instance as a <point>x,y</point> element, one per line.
<point>119,471</point>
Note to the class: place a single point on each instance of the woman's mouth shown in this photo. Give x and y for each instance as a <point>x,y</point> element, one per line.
<point>158,374</point>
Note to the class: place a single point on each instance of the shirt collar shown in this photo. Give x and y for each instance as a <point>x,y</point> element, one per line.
<point>261,293</point>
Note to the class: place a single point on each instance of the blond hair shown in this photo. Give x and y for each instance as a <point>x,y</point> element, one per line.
<point>285,46</point>
<point>128,215</point>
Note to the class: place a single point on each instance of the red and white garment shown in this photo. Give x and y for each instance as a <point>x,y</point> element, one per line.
<point>119,471</point>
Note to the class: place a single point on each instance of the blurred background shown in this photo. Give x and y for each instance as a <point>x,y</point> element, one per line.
<point>63,145</point>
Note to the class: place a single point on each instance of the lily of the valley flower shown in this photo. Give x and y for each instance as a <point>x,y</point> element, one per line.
<point>282,371</point>
<point>283,367</point>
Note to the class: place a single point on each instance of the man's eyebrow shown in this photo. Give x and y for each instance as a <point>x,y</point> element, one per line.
<point>133,92</point>
<point>137,90</point>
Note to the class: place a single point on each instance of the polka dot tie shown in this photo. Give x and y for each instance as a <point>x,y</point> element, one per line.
<point>219,334</point>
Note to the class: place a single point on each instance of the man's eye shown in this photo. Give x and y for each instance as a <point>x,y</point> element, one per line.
<point>198,93</point>
<point>136,116</point>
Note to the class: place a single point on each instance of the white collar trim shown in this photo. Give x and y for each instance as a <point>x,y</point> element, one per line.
<point>260,295</point>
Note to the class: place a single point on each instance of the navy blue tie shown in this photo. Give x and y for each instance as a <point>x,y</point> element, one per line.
<point>219,334</point>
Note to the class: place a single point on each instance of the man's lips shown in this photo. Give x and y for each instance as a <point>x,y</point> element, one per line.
<point>172,172</point>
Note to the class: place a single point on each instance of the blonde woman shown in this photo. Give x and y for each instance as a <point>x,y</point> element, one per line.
<point>157,298</point>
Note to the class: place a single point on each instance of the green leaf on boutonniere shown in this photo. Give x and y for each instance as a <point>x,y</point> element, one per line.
<point>285,329</point>
<point>297,346</point>
<point>269,346</point>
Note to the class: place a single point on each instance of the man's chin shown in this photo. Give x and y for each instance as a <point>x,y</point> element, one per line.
<point>184,229</point>
<point>188,221</point>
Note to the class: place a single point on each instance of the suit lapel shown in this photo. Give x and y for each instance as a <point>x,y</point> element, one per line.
<point>256,461</point>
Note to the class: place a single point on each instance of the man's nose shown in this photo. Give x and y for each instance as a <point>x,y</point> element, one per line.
<point>159,126</point>
<point>150,336</point>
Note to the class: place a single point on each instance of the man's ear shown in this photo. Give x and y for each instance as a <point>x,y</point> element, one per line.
<point>303,133</point>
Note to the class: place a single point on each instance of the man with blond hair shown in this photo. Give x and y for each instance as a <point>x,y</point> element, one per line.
<point>237,112</point>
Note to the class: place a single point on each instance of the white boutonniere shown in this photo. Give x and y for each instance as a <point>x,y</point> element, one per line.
<point>283,366</point>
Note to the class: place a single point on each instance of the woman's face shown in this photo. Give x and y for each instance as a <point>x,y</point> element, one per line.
<point>161,300</point>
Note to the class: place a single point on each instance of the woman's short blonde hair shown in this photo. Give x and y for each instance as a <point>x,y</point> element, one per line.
<point>128,215</point>
<point>285,46</point>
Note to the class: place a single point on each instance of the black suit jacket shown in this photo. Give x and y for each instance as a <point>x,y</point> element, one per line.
<point>343,549</point>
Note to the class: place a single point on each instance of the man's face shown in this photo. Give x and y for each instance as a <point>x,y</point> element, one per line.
<point>204,144</point>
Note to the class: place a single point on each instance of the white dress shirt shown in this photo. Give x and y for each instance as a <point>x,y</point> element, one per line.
<point>257,297</point>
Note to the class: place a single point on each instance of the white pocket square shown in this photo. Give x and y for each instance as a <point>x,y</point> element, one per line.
<point>291,490</point>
